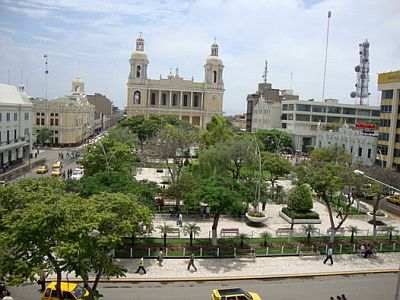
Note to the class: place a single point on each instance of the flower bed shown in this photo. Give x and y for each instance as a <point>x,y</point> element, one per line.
<point>300,215</point>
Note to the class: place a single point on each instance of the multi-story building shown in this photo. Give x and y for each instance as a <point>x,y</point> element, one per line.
<point>359,143</point>
<point>238,121</point>
<point>103,110</point>
<point>303,118</point>
<point>15,126</point>
<point>389,129</point>
<point>264,107</point>
<point>70,118</point>
<point>194,102</point>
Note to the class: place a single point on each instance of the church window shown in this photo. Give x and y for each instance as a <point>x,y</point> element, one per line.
<point>185,100</point>
<point>138,71</point>
<point>136,97</point>
<point>215,76</point>
<point>196,101</point>
<point>164,99</point>
<point>174,100</point>
<point>153,98</point>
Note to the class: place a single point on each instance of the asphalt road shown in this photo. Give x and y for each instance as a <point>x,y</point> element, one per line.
<point>358,287</point>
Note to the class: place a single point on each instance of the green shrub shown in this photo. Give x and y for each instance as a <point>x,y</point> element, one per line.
<point>300,214</point>
<point>300,198</point>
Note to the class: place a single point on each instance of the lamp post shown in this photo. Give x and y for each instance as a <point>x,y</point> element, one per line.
<point>361,173</point>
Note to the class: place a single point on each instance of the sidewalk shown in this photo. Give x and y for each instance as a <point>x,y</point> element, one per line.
<point>270,267</point>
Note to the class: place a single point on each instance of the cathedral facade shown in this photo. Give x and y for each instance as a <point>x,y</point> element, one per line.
<point>194,102</point>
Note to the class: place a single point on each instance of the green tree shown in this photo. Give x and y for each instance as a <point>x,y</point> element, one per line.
<point>191,229</point>
<point>219,130</point>
<point>274,167</point>
<point>274,140</point>
<point>108,155</point>
<point>43,136</point>
<point>221,195</point>
<point>300,198</point>
<point>378,193</point>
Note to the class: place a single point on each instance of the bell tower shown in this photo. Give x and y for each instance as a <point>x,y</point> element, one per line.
<point>138,62</point>
<point>213,69</point>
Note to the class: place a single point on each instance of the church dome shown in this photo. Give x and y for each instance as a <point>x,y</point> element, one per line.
<point>213,58</point>
<point>139,54</point>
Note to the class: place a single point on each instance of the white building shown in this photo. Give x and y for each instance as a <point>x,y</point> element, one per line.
<point>303,118</point>
<point>360,144</point>
<point>15,126</point>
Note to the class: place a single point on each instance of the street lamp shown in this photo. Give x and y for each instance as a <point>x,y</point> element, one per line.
<point>361,173</point>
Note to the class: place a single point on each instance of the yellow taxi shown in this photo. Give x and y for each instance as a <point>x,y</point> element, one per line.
<point>57,165</point>
<point>43,169</point>
<point>234,294</point>
<point>70,290</point>
<point>56,172</point>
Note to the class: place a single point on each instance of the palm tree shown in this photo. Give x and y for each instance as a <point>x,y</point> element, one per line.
<point>265,235</point>
<point>353,230</point>
<point>390,230</point>
<point>308,229</point>
<point>242,237</point>
<point>165,229</point>
<point>191,229</point>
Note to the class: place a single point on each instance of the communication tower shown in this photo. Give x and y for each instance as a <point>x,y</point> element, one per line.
<point>362,71</point>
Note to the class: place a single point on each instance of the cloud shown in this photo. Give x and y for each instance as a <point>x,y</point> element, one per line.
<point>94,39</point>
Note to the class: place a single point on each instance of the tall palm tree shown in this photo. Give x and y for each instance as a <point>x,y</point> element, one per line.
<point>191,229</point>
<point>165,229</point>
<point>390,230</point>
<point>265,235</point>
<point>353,230</point>
<point>308,229</point>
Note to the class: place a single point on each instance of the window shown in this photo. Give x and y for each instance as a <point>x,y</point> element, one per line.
<point>52,115</point>
<point>196,101</point>
<point>387,94</point>
<point>185,100</point>
<point>153,99</point>
<point>37,121</point>
<point>1,116</point>
<point>290,117</point>
<point>349,111</point>
<point>26,132</point>
<point>56,114</point>
<point>383,149</point>
<point>305,118</point>
<point>26,116</point>
<point>15,116</point>
<point>42,114</point>
<point>56,122</point>
<point>215,76</point>
<point>174,99</point>
<point>318,118</point>
<point>8,117</point>
<point>317,108</point>
<point>397,138</point>
<point>51,122</point>
<point>164,99</point>
<point>15,134</point>
<point>396,152</point>
<point>333,110</point>
<point>138,71</point>
<point>363,112</point>
<point>284,117</point>
<point>284,125</point>
<point>359,151</point>
<point>303,107</point>
<point>376,113</point>
<point>136,97</point>
<point>8,136</point>
<point>333,120</point>
<point>383,136</point>
<point>38,113</point>
<point>369,153</point>
<point>385,123</point>
<point>42,121</point>
<point>386,108</point>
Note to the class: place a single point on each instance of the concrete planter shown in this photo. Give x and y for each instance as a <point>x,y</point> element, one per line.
<point>378,218</point>
<point>256,219</point>
<point>298,221</point>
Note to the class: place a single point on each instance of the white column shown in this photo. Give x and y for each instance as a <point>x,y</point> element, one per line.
<point>181,99</point>
<point>191,100</point>
<point>159,98</point>
<point>170,98</point>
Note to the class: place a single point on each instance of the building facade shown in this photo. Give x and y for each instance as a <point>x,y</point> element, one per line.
<point>71,118</point>
<point>103,110</point>
<point>360,144</point>
<point>389,129</point>
<point>15,126</point>
<point>303,118</point>
<point>194,102</point>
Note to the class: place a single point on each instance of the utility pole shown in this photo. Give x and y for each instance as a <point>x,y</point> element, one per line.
<point>326,55</point>
<point>46,72</point>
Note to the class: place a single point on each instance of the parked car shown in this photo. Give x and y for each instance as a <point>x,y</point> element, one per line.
<point>56,172</point>
<point>43,169</point>
<point>234,294</point>
<point>77,174</point>
<point>57,165</point>
<point>70,290</point>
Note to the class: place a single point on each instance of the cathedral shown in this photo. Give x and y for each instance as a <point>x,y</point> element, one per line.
<point>194,102</point>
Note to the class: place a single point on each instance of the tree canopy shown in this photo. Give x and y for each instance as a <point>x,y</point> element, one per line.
<point>274,140</point>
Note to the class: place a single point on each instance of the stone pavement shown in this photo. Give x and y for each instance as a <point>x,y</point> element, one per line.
<point>176,269</point>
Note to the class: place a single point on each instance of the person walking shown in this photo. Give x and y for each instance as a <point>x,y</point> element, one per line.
<point>42,281</point>
<point>329,254</point>
<point>191,263</point>
<point>141,266</point>
<point>180,219</point>
<point>160,257</point>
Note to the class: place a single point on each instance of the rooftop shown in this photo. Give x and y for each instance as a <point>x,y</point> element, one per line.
<point>9,94</point>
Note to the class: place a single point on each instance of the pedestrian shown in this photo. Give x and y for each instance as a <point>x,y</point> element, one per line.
<point>340,213</point>
<point>344,297</point>
<point>160,257</point>
<point>8,296</point>
<point>329,254</point>
<point>180,219</point>
<point>141,266</point>
<point>42,281</point>
<point>191,263</point>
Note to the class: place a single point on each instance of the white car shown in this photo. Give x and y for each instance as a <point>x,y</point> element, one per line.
<point>77,174</point>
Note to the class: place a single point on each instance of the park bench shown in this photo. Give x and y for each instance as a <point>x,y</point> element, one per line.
<point>309,252</point>
<point>229,232</point>
<point>284,232</point>
<point>174,232</point>
<point>339,232</point>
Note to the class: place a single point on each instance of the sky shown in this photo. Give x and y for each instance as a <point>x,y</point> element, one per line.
<point>93,40</point>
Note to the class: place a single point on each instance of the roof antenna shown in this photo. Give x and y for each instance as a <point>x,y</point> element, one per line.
<point>265,72</point>
<point>326,55</point>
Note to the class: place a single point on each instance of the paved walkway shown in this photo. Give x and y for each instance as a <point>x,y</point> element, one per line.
<point>259,267</point>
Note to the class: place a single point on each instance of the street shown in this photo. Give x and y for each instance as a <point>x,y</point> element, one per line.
<point>357,287</point>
